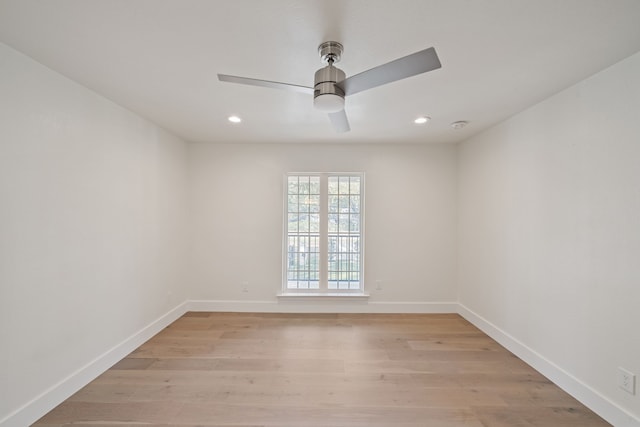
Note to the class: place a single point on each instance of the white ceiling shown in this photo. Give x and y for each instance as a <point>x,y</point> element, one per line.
<point>159,58</point>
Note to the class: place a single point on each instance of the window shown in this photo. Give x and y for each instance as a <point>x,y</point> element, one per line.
<point>324,239</point>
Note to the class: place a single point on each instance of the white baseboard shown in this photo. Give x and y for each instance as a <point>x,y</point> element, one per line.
<point>333,305</point>
<point>582,392</point>
<point>49,399</point>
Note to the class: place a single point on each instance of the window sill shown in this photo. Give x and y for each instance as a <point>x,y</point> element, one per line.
<point>323,296</point>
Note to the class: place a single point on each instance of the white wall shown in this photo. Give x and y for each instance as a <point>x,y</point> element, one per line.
<point>237,217</point>
<point>92,216</point>
<point>549,231</point>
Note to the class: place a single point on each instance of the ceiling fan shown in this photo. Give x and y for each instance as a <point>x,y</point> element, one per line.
<point>331,85</point>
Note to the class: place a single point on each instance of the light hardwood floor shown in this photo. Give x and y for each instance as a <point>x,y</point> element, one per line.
<point>313,370</point>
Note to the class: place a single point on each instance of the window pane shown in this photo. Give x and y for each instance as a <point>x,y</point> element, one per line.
<point>314,185</point>
<point>354,185</point>
<point>333,204</point>
<point>354,224</point>
<point>355,244</point>
<point>293,203</point>
<point>293,223</point>
<point>355,263</point>
<point>303,223</point>
<point>313,262</point>
<point>343,204</point>
<point>304,203</point>
<point>332,244</point>
<point>343,185</point>
<point>354,204</point>
<point>304,184</point>
<point>292,185</point>
<point>314,225</point>
<point>333,185</point>
<point>314,203</point>
<point>332,224</point>
<point>344,223</point>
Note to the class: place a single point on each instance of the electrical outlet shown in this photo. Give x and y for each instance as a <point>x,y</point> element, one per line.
<point>378,285</point>
<point>627,381</point>
<point>245,286</point>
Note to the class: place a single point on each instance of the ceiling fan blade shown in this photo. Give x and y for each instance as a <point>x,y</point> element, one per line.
<point>265,83</point>
<point>339,121</point>
<point>410,65</point>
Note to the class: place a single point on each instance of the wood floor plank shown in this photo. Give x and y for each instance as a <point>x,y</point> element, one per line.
<point>312,370</point>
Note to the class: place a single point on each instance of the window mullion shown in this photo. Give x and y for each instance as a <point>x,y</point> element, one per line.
<point>324,227</point>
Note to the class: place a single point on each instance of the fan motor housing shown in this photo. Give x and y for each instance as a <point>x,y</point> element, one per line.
<point>327,96</point>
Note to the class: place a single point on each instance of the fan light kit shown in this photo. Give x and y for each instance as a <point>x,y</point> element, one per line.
<point>331,85</point>
<point>421,120</point>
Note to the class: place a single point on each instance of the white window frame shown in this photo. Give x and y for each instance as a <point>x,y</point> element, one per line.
<point>323,289</point>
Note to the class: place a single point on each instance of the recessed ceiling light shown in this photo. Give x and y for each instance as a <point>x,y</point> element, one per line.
<point>234,119</point>
<point>459,125</point>
<point>421,120</point>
